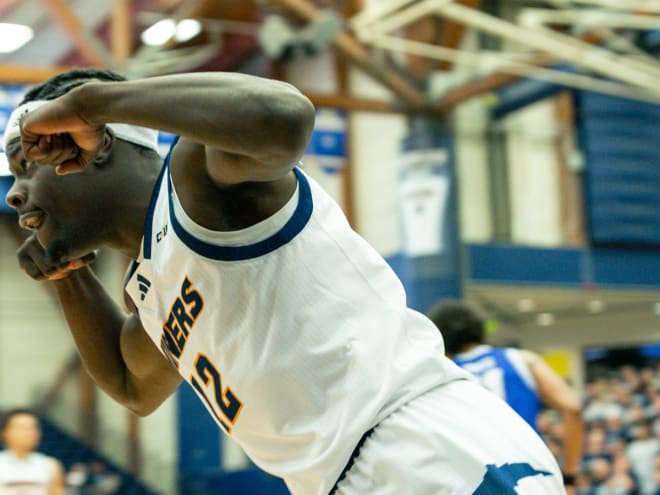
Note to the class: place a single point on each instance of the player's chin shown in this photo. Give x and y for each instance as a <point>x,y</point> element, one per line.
<point>65,243</point>
<point>60,250</point>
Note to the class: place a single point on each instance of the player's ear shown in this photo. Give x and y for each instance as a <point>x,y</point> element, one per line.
<point>106,148</point>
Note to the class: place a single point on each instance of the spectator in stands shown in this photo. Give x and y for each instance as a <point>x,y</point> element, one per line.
<point>615,429</point>
<point>595,443</point>
<point>583,484</point>
<point>599,470</point>
<point>642,452</point>
<point>519,377</point>
<point>77,478</point>
<point>603,404</point>
<point>623,432</point>
<point>22,469</point>
<point>623,480</point>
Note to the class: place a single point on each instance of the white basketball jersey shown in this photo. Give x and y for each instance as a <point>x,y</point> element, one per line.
<point>30,476</point>
<point>293,332</point>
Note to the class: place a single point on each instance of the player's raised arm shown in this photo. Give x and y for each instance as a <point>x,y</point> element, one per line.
<point>114,347</point>
<point>254,129</point>
<point>557,394</point>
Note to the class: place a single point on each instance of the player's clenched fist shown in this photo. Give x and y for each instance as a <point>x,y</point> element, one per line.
<point>57,134</point>
<point>32,260</point>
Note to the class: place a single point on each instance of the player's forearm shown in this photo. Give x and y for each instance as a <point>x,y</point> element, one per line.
<point>236,113</point>
<point>95,322</point>
<point>573,440</point>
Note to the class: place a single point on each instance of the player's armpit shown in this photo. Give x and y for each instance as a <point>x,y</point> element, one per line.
<point>150,378</point>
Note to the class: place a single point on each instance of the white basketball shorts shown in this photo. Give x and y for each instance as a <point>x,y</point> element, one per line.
<point>457,439</point>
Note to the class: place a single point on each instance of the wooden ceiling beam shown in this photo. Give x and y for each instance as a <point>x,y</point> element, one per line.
<point>189,9</point>
<point>121,31</point>
<point>87,43</point>
<point>452,33</point>
<point>425,30</point>
<point>7,5</point>
<point>351,104</point>
<point>487,84</point>
<point>358,54</point>
<point>24,74</point>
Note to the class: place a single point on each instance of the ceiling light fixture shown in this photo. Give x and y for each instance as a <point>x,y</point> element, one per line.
<point>545,319</point>
<point>526,305</point>
<point>165,29</point>
<point>187,29</point>
<point>595,306</point>
<point>14,36</point>
<point>159,33</point>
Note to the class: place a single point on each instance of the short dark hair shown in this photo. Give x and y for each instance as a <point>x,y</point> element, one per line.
<point>62,83</point>
<point>12,413</point>
<point>459,324</point>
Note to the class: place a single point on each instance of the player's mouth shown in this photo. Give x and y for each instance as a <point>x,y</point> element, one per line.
<point>31,220</point>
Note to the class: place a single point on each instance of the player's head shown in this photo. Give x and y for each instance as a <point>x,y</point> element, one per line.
<point>460,325</point>
<point>71,213</point>
<point>20,430</point>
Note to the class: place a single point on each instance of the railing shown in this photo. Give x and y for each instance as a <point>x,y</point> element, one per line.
<point>71,402</point>
<point>72,386</point>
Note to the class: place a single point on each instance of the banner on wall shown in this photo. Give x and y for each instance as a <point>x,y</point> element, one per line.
<point>325,157</point>
<point>424,191</point>
<point>429,264</point>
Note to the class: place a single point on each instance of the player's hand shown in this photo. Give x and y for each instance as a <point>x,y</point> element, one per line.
<point>32,260</point>
<point>57,134</point>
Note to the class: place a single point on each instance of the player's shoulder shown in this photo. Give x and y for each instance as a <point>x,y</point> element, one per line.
<point>530,357</point>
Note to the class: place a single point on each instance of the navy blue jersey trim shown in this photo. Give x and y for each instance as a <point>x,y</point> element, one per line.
<point>132,269</point>
<point>146,239</point>
<point>351,460</point>
<point>292,228</point>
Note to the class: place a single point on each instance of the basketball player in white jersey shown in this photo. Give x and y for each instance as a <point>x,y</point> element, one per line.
<point>249,284</point>
<point>520,377</point>
<point>23,471</point>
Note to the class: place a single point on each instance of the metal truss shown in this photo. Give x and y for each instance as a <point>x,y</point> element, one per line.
<point>616,66</point>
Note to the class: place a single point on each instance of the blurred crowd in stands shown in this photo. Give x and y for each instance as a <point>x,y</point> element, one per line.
<point>622,440</point>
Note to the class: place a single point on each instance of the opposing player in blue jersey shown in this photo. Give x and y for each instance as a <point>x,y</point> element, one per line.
<point>248,282</point>
<point>520,377</point>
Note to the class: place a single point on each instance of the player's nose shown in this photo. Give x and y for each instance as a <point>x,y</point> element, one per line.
<point>16,197</point>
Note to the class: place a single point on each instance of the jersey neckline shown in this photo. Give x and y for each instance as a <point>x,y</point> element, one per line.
<point>251,242</point>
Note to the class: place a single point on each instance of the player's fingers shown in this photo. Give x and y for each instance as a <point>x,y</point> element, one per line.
<point>62,156</point>
<point>32,253</point>
<point>62,149</point>
<point>80,262</point>
<point>28,265</point>
<point>33,152</point>
<point>69,167</point>
<point>88,258</point>
<point>65,269</point>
